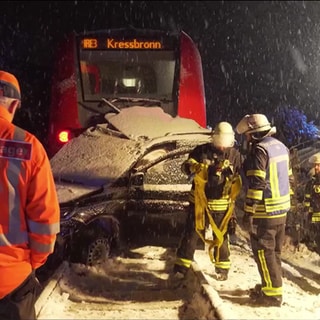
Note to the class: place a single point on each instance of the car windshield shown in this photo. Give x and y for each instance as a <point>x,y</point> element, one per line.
<point>106,73</point>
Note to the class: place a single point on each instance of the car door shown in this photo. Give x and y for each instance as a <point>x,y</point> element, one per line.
<point>158,187</point>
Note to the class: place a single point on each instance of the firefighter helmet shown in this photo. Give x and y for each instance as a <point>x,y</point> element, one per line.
<point>255,123</point>
<point>315,158</point>
<point>223,135</point>
<point>9,86</point>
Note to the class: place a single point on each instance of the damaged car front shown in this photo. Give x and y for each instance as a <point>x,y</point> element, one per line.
<point>118,175</point>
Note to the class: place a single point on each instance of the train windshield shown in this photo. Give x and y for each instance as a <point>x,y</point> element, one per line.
<point>127,73</point>
<point>102,72</point>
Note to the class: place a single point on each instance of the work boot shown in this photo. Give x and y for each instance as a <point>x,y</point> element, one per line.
<point>255,292</point>
<point>268,301</point>
<point>180,269</point>
<point>178,276</point>
<point>221,274</point>
<point>312,245</point>
<point>177,280</point>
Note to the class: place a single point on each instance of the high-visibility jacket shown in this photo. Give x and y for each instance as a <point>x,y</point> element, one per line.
<point>29,208</point>
<point>312,198</point>
<point>217,188</point>
<point>269,174</point>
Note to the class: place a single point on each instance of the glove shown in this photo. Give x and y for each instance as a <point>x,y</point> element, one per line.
<point>247,222</point>
<point>232,225</point>
<point>191,168</point>
<point>196,167</point>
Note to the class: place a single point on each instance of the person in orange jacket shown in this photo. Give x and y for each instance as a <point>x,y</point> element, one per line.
<point>29,216</point>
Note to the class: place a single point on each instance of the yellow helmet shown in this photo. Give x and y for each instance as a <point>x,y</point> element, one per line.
<point>223,135</point>
<point>315,158</point>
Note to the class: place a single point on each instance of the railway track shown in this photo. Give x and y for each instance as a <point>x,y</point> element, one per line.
<point>136,285</point>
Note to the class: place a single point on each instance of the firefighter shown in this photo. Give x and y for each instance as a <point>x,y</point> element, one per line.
<point>215,167</point>
<point>312,204</point>
<point>29,219</point>
<point>269,183</point>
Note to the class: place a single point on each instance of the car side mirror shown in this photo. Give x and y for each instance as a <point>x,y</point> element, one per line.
<point>137,179</point>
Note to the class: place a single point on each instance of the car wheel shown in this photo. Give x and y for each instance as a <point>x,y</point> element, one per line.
<point>98,251</point>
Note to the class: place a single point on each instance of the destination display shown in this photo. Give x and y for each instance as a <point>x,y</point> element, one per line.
<point>120,44</point>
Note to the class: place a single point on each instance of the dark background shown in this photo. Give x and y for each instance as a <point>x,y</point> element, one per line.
<point>257,55</point>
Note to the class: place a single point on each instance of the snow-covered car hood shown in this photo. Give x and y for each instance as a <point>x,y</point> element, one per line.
<point>100,156</point>
<point>151,122</point>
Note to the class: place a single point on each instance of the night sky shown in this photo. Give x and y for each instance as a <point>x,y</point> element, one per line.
<point>257,55</point>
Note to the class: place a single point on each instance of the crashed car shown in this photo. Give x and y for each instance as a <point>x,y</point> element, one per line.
<point>128,167</point>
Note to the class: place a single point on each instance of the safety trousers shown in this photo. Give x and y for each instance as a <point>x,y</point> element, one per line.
<point>20,303</point>
<point>266,246</point>
<point>189,242</point>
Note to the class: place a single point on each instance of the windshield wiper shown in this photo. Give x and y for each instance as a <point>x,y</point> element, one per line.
<point>140,101</point>
<point>100,105</point>
<point>110,104</point>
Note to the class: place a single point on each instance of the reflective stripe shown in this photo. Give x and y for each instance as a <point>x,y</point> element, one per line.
<point>264,268</point>
<point>272,291</point>
<point>274,180</point>
<point>277,193</point>
<point>14,235</point>
<point>277,200</point>
<point>259,211</point>
<point>315,217</point>
<point>257,173</point>
<point>183,262</point>
<point>11,238</point>
<point>268,290</point>
<point>218,204</point>
<point>279,158</point>
<point>41,247</point>
<point>264,215</point>
<point>43,229</point>
<point>223,264</point>
<point>255,194</point>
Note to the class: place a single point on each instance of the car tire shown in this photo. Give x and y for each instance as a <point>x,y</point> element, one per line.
<point>97,251</point>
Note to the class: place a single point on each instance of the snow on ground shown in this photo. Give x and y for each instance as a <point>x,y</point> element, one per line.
<point>135,285</point>
<point>301,286</point>
<point>301,269</point>
<point>301,283</point>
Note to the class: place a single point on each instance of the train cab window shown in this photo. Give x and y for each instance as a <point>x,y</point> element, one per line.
<point>129,73</point>
<point>135,79</point>
<point>91,77</point>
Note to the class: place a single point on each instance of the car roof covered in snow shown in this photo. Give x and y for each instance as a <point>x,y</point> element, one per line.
<point>98,157</point>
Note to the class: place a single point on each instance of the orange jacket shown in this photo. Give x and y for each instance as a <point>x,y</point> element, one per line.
<point>29,215</point>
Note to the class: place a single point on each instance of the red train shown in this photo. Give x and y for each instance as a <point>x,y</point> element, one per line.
<point>126,67</point>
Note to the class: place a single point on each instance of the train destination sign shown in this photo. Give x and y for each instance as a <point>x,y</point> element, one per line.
<point>116,44</point>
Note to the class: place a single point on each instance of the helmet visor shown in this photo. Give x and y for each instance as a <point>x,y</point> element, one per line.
<point>8,90</point>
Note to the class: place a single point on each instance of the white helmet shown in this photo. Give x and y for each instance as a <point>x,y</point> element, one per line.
<point>223,135</point>
<point>315,158</point>
<point>252,123</point>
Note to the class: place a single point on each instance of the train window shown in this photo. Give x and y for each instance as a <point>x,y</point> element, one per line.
<point>91,77</point>
<point>150,74</point>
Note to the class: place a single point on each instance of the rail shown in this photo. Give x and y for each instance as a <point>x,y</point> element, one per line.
<point>301,153</point>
